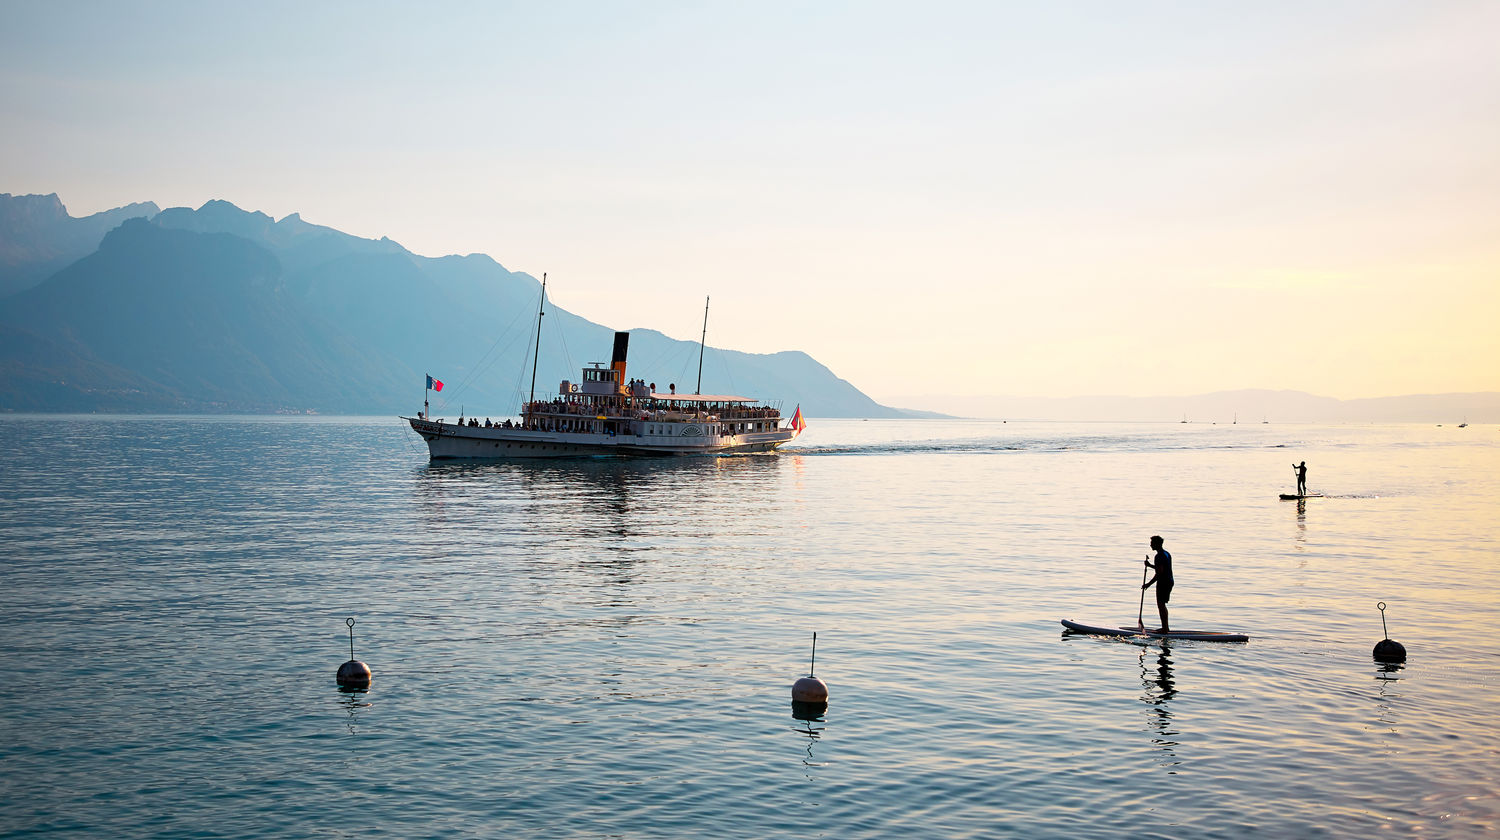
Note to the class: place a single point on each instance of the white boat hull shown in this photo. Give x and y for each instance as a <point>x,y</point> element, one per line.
<point>446,441</point>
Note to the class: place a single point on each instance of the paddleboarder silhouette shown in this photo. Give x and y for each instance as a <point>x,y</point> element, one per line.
<point>1162,579</point>
<point>1301,470</point>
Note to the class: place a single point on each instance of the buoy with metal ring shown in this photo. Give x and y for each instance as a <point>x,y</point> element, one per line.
<point>810,694</point>
<point>353,674</point>
<point>1387,650</point>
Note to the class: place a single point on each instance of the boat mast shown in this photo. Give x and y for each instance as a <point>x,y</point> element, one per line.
<point>701,341</point>
<point>538,350</point>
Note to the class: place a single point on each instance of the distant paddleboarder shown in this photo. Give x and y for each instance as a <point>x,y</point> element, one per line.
<point>1162,579</point>
<point>1301,470</point>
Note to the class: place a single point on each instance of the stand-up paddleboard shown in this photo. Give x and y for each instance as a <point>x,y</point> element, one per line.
<point>1287,497</point>
<point>1194,635</point>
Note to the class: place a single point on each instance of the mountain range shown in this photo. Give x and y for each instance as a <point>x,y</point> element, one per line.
<point>1250,405</point>
<point>38,237</point>
<point>220,309</point>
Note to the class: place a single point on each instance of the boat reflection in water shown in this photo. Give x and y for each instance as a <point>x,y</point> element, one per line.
<point>599,497</point>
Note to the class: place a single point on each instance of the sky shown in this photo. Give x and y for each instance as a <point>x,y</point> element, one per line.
<point>932,199</point>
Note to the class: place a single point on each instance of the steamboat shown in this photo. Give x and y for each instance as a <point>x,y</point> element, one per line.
<point>606,414</point>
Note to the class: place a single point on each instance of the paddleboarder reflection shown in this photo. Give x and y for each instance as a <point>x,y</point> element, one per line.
<point>1301,526</point>
<point>1160,688</point>
<point>1166,686</point>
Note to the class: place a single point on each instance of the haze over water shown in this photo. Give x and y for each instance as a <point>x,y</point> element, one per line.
<point>606,648</point>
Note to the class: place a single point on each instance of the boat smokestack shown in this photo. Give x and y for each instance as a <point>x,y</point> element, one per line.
<point>617,362</point>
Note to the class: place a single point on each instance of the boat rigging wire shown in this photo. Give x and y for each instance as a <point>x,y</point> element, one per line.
<point>562,337</point>
<point>487,360</point>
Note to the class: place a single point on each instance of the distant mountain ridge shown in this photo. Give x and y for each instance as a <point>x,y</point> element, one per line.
<point>220,309</point>
<point>225,310</point>
<point>1243,406</point>
<point>38,237</point>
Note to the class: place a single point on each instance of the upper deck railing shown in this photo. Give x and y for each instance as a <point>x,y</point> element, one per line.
<point>658,410</point>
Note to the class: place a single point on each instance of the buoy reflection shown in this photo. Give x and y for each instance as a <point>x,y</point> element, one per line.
<point>353,703</point>
<point>1388,670</point>
<point>813,735</point>
<point>802,710</point>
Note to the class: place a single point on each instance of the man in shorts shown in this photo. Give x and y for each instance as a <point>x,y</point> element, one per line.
<point>1162,579</point>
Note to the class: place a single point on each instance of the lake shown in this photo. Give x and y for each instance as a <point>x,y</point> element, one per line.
<point>605,648</point>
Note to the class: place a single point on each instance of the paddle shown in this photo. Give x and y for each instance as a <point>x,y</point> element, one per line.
<point>1140,614</point>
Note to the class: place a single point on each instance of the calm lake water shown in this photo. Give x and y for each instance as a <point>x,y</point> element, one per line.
<point>593,648</point>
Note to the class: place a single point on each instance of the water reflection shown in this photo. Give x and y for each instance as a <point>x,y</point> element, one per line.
<point>812,733</point>
<point>354,701</point>
<point>616,504</point>
<point>603,527</point>
<point>623,487</point>
<point>802,710</point>
<point>1301,524</point>
<point>1387,695</point>
<point>1387,671</point>
<point>1160,688</point>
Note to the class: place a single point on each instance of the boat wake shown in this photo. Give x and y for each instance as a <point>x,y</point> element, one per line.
<point>996,446</point>
<point>935,448</point>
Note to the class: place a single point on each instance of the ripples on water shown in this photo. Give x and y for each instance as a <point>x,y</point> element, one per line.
<point>602,648</point>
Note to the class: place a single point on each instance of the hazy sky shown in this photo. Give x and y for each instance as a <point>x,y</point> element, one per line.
<point>1042,199</point>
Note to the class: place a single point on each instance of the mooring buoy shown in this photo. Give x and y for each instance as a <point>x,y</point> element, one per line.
<point>353,674</point>
<point>1387,650</point>
<point>810,694</point>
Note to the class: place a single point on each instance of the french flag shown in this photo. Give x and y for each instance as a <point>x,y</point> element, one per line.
<point>434,384</point>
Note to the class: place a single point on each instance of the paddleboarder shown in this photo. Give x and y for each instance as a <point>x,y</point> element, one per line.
<point>1162,579</point>
<point>1301,470</point>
